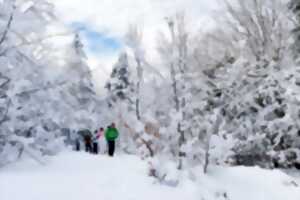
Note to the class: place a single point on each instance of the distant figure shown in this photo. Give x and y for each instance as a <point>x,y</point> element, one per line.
<point>74,137</point>
<point>95,142</point>
<point>88,143</point>
<point>111,135</point>
<point>101,140</point>
<point>77,145</point>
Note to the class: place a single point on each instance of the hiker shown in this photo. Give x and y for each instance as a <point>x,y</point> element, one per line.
<point>95,142</point>
<point>77,144</point>
<point>111,135</point>
<point>88,143</point>
<point>101,140</point>
<point>76,140</point>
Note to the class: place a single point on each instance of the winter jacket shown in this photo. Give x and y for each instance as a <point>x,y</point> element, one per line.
<point>99,134</point>
<point>87,139</point>
<point>111,134</point>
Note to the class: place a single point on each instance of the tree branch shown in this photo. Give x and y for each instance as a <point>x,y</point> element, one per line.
<point>7,80</point>
<point>46,87</point>
<point>8,25</point>
<point>137,136</point>
<point>28,43</point>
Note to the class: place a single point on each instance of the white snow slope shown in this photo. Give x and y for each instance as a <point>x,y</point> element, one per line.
<point>79,176</point>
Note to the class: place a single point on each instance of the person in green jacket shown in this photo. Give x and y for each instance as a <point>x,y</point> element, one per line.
<point>111,134</point>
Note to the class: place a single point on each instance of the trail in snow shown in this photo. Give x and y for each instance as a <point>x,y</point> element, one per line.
<point>80,176</point>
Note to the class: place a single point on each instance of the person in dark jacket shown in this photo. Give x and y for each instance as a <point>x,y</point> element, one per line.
<point>95,142</point>
<point>111,134</point>
<point>88,143</point>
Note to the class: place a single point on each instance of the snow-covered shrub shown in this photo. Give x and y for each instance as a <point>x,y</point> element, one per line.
<point>166,172</point>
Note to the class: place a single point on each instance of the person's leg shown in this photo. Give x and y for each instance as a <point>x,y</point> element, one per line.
<point>86,147</point>
<point>112,148</point>
<point>90,148</point>
<point>107,147</point>
<point>99,148</point>
<point>95,148</point>
<point>77,145</point>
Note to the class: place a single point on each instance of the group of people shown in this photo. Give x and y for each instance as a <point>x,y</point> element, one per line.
<point>96,141</point>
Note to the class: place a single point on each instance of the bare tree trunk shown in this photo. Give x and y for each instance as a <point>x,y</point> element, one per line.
<point>177,107</point>
<point>137,108</point>
<point>215,131</point>
<point>137,102</point>
<point>175,89</point>
<point>140,76</point>
<point>180,65</point>
<point>206,161</point>
<point>181,141</point>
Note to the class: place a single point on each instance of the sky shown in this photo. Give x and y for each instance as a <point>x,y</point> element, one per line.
<point>102,24</point>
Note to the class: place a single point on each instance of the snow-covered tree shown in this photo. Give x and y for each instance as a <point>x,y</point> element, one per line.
<point>120,87</point>
<point>174,52</point>
<point>38,98</point>
<point>255,106</point>
<point>294,6</point>
<point>258,26</point>
<point>134,41</point>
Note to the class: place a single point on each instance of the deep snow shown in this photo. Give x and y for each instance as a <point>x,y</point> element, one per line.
<point>79,176</point>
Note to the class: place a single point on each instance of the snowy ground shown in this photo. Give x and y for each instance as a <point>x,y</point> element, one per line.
<point>79,176</point>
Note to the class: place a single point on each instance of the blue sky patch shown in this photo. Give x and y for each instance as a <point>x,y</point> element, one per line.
<point>97,42</point>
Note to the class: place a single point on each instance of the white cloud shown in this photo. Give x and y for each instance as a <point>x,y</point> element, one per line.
<point>112,17</point>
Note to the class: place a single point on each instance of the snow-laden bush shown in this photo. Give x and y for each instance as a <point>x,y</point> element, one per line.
<point>165,172</point>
